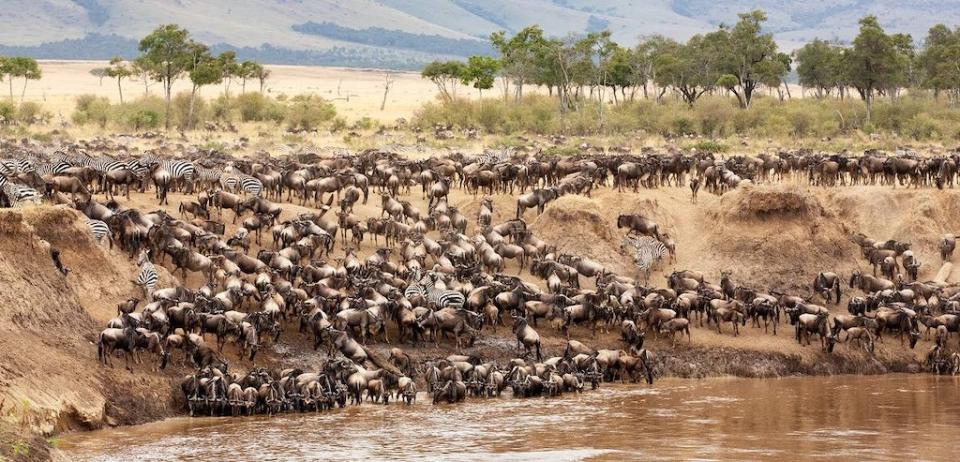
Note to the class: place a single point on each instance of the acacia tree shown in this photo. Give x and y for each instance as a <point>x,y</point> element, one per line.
<point>940,60</point>
<point>691,69</point>
<point>230,69</point>
<point>518,55</point>
<point>445,75</point>
<point>203,69</point>
<point>749,57</point>
<point>141,68</point>
<point>874,63</point>
<point>248,70</point>
<point>98,72</point>
<point>261,73</point>
<point>118,70</point>
<point>166,53</point>
<point>20,66</point>
<point>480,72</point>
<point>652,54</point>
<point>819,66</point>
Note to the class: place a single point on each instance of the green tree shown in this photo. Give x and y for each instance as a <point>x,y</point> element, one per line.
<point>874,63</point>
<point>692,69</point>
<point>166,53</point>
<point>619,70</point>
<point>749,57</point>
<point>118,70</point>
<point>445,75</point>
<point>98,72</point>
<point>203,70</point>
<point>940,72</point>
<point>141,67</point>
<point>480,72</point>
<point>20,66</point>
<point>648,53</point>
<point>819,66</point>
<point>518,55</point>
<point>261,73</point>
<point>248,70</point>
<point>230,67</point>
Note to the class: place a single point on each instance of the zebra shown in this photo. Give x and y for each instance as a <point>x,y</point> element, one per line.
<point>181,171</point>
<point>147,276</point>
<point>242,182</point>
<point>140,168</point>
<point>15,166</point>
<point>208,178</point>
<point>99,230</point>
<point>489,157</point>
<point>51,169</point>
<point>440,298</point>
<point>19,195</point>
<point>647,252</point>
<point>414,289</point>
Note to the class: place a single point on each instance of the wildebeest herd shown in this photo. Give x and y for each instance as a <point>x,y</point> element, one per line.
<point>437,275</point>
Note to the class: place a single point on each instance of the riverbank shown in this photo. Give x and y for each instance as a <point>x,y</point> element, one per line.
<point>52,384</point>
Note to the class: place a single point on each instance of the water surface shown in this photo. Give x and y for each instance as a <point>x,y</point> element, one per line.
<point>892,417</point>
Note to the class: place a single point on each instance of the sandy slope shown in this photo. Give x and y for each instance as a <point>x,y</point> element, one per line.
<point>769,237</point>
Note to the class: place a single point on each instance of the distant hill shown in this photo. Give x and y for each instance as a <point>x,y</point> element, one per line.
<point>407,33</point>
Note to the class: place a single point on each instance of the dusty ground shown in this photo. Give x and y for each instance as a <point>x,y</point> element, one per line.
<point>355,92</point>
<point>52,383</point>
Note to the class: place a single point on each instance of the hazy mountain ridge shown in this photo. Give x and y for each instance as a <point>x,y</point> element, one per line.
<point>285,31</point>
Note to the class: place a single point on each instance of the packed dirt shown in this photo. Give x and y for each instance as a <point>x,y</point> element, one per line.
<point>769,237</point>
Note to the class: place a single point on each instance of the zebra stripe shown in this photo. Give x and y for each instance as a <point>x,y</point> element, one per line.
<point>251,185</point>
<point>179,169</point>
<point>147,278</point>
<point>647,251</point>
<point>241,182</point>
<point>19,195</point>
<point>105,165</point>
<point>98,229</point>
<point>493,157</point>
<point>439,297</point>
<point>137,167</point>
<point>414,290</point>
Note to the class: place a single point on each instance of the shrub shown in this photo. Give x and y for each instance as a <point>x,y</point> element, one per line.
<point>920,127</point>
<point>713,115</point>
<point>715,147</point>
<point>140,114</point>
<point>308,112</point>
<point>365,123</point>
<point>92,109</point>
<point>8,110</point>
<point>255,107</point>
<point>222,109</point>
<point>338,124</point>
<point>180,111</point>
<point>30,112</point>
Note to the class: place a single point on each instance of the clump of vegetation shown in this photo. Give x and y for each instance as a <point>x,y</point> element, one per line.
<point>92,109</point>
<point>308,112</point>
<point>189,111</point>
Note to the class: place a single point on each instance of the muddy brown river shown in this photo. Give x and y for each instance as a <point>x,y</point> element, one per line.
<point>893,417</point>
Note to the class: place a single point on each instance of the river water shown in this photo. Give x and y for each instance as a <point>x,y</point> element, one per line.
<point>892,417</point>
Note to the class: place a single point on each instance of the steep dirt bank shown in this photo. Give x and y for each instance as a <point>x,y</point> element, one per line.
<point>769,237</point>
<point>50,381</point>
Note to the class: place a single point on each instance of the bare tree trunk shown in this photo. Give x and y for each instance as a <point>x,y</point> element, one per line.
<point>388,81</point>
<point>193,97</point>
<point>120,90</point>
